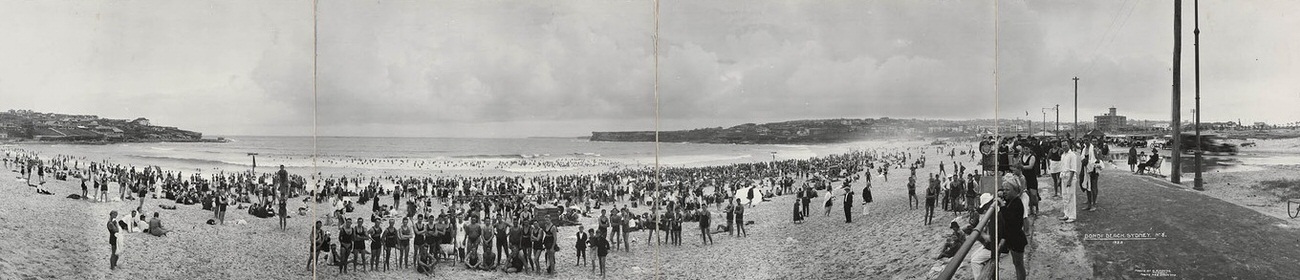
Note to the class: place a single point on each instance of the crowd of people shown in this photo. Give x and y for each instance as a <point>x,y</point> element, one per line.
<point>510,223</point>
<point>1020,162</point>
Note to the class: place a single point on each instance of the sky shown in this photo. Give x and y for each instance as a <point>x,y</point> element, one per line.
<point>1122,53</point>
<point>566,68</point>
<point>220,67</point>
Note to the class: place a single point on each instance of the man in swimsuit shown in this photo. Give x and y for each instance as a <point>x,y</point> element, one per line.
<point>706,237</point>
<point>359,238</point>
<point>112,239</point>
<point>345,239</point>
<point>503,240</point>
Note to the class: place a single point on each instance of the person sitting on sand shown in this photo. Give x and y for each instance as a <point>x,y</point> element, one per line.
<point>953,242</point>
<point>424,263</point>
<point>516,262</point>
<point>155,226</point>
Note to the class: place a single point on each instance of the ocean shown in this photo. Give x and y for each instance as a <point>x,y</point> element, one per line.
<point>384,156</point>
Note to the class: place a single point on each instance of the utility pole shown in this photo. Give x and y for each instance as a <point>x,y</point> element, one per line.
<point>1196,35</point>
<point>1176,136</point>
<point>1076,108</point>
<point>1058,119</point>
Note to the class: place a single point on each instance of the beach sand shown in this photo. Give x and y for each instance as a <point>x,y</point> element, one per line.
<point>53,237</point>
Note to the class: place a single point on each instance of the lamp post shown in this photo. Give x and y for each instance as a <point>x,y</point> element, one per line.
<point>1196,34</point>
<point>1058,117</point>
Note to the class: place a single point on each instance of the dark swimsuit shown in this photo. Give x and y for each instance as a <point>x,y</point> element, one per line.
<point>419,237</point>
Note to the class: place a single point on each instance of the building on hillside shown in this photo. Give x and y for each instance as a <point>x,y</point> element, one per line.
<point>1110,121</point>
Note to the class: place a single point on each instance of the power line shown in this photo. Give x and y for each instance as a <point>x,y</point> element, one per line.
<point>1112,36</point>
<point>1110,31</point>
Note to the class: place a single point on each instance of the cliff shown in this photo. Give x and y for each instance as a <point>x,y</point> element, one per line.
<point>26,125</point>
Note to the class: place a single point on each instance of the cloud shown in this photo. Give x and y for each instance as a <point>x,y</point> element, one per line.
<point>778,60</point>
<point>1122,52</point>
<point>219,67</point>
<point>442,63</point>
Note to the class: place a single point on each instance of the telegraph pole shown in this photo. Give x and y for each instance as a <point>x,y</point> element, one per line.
<point>1175,168</point>
<point>1196,35</point>
<point>1076,108</point>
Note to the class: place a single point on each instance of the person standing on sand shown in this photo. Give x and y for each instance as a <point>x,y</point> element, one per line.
<point>627,220</point>
<point>1093,169</point>
<point>390,242</point>
<point>848,205</point>
<point>1070,167</point>
<point>866,198</point>
<point>112,239</point>
<point>318,244</point>
<point>580,246</point>
<point>1132,158</point>
<point>830,201</point>
<point>731,217</point>
<point>602,249</point>
<point>740,221</point>
<point>615,218</point>
<point>706,237</point>
<point>931,194</point>
<point>1056,167</point>
<point>345,239</point>
<point>359,239</point>
<point>404,241</point>
<point>1011,224</point>
<point>1029,169</point>
<point>807,199</point>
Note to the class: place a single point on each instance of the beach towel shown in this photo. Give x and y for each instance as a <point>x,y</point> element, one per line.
<point>74,196</point>
<point>168,207</point>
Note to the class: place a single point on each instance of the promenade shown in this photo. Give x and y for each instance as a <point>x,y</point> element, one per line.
<point>1146,227</point>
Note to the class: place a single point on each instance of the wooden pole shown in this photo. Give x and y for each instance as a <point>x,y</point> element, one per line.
<point>1175,170</point>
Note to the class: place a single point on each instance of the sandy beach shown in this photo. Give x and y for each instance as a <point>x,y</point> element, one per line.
<point>53,237</point>
<point>61,238</point>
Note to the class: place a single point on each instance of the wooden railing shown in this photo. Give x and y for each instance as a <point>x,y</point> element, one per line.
<point>955,262</point>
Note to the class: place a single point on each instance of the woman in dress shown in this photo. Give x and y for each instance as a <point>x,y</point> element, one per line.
<point>866,198</point>
<point>830,201</point>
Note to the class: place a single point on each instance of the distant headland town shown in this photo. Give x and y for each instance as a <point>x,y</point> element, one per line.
<point>26,125</point>
<point>824,131</point>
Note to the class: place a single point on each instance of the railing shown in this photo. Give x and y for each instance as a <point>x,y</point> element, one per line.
<point>955,262</point>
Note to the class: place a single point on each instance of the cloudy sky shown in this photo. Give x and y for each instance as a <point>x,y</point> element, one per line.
<point>219,67</point>
<point>1122,52</point>
<point>565,68</point>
